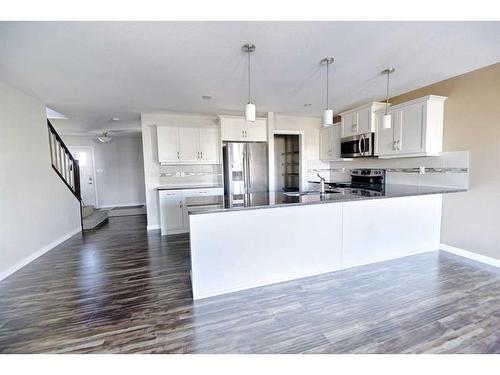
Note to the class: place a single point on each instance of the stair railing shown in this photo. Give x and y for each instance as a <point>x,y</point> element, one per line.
<point>63,162</point>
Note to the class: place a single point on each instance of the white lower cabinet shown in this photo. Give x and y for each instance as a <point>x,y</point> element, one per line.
<point>174,217</point>
<point>171,212</point>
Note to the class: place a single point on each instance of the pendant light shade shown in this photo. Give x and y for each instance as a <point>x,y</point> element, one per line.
<point>250,110</point>
<point>387,121</point>
<point>328,112</point>
<point>328,117</point>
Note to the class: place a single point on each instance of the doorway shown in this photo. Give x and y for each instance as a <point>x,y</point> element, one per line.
<point>287,162</point>
<point>88,189</point>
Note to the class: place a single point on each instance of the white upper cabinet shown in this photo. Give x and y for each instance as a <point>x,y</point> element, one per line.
<point>329,142</point>
<point>188,145</point>
<point>238,130</point>
<point>208,138</point>
<point>359,120</point>
<point>168,144</point>
<point>416,129</point>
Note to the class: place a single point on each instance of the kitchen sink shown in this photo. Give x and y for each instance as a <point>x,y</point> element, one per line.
<point>314,192</point>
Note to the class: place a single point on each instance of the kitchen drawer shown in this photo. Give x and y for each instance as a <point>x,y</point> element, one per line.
<point>202,192</point>
<point>167,194</point>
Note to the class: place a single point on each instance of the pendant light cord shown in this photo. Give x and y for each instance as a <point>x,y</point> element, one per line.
<point>327,81</point>
<point>387,93</point>
<point>248,52</point>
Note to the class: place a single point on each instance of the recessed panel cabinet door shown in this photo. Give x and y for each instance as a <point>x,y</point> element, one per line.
<point>349,124</point>
<point>171,212</point>
<point>255,131</point>
<point>384,137</point>
<point>412,135</point>
<point>209,145</point>
<point>325,144</point>
<point>189,144</point>
<point>364,121</point>
<point>168,144</point>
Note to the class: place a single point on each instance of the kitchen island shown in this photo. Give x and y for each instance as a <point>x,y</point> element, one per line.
<point>245,241</point>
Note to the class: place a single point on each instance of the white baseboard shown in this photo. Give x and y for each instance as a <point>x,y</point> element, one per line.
<point>471,255</point>
<point>122,205</point>
<point>9,271</point>
<point>153,227</point>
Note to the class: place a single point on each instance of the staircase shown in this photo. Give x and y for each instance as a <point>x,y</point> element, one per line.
<point>91,217</point>
<point>64,164</point>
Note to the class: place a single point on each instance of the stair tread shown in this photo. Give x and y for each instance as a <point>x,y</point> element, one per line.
<point>94,219</point>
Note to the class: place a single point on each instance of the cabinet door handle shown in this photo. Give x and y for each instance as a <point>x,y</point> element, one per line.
<point>178,156</point>
<point>242,134</point>
<point>201,153</point>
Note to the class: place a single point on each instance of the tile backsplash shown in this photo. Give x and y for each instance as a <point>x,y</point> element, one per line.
<point>449,169</point>
<point>190,175</point>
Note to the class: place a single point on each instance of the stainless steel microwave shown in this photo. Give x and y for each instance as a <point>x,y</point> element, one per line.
<point>357,146</point>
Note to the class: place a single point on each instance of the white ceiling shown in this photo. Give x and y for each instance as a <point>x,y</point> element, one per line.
<point>91,71</point>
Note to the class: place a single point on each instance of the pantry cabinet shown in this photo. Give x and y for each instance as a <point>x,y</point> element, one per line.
<point>188,145</point>
<point>236,129</point>
<point>329,142</point>
<point>359,120</point>
<point>416,129</point>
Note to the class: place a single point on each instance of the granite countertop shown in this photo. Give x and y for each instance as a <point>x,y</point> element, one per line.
<point>189,187</point>
<point>251,201</point>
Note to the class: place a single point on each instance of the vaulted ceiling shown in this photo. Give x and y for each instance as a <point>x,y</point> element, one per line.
<point>93,71</point>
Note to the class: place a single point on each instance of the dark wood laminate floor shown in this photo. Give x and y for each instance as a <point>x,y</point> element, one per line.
<point>120,289</point>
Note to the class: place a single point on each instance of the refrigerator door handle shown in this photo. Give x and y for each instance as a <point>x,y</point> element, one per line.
<point>249,168</point>
<point>245,171</point>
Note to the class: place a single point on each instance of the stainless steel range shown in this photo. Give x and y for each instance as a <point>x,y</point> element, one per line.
<point>365,182</point>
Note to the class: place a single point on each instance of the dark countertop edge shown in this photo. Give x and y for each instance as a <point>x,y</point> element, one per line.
<point>348,198</point>
<point>188,187</point>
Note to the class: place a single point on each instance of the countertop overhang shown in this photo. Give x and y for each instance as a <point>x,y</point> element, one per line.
<point>265,200</point>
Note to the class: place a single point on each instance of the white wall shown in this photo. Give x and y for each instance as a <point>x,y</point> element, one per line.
<point>119,168</point>
<point>37,210</point>
<point>150,152</point>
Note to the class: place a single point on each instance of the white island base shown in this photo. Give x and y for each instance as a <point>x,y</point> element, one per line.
<point>240,249</point>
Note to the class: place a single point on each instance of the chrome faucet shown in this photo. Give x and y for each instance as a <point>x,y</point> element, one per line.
<point>321,184</point>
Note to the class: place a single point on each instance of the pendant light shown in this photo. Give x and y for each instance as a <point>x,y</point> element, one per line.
<point>387,122</point>
<point>248,48</point>
<point>327,113</point>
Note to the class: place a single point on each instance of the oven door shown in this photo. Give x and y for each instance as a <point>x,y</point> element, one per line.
<point>357,146</point>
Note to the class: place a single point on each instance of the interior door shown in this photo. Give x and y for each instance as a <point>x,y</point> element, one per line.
<point>257,180</point>
<point>189,144</point>
<point>209,145</point>
<point>168,144</point>
<point>85,157</point>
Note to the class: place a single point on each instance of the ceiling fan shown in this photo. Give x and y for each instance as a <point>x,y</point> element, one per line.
<point>104,138</point>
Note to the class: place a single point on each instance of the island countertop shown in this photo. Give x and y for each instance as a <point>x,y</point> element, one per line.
<point>262,200</point>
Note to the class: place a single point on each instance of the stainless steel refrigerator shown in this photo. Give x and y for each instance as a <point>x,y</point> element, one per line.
<point>245,167</point>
